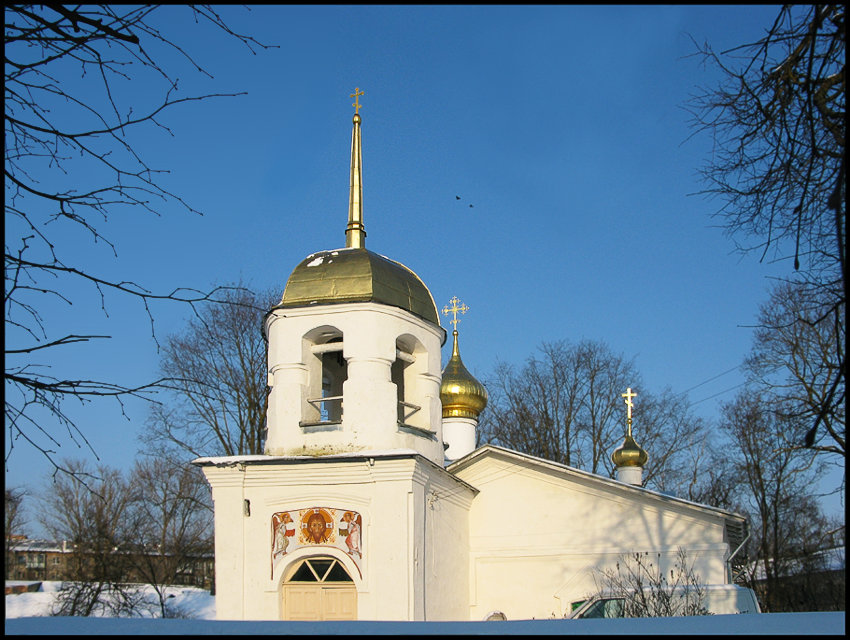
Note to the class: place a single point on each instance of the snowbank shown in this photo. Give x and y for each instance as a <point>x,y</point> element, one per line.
<point>29,614</point>
<point>809,624</point>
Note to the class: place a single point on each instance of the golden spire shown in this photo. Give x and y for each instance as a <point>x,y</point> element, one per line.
<point>461,394</point>
<point>629,454</point>
<point>355,234</point>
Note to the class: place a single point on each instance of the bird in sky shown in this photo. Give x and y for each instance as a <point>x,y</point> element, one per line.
<point>458,198</point>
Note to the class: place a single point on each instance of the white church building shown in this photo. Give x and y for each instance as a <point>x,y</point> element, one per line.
<point>371,500</point>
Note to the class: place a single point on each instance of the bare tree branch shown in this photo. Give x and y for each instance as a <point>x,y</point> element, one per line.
<point>70,163</point>
<point>777,123</point>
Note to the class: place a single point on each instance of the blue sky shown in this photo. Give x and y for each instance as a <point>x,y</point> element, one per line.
<point>563,126</point>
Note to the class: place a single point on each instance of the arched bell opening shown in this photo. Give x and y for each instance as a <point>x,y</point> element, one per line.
<point>407,372</point>
<point>327,371</point>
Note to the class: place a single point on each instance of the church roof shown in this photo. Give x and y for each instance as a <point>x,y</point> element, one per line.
<point>357,275</point>
<point>363,454</point>
<point>259,458</point>
<point>490,450</point>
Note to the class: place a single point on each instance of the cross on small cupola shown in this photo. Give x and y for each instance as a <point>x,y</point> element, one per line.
<point>457,306</point>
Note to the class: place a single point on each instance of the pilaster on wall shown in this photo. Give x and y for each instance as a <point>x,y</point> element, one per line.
<point>229,521</point>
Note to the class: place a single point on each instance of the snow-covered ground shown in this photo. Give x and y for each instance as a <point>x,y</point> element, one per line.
<point>29,613</point>
<point>190,602</point>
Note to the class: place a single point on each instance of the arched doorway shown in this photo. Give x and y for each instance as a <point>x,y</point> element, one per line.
<point>319,588</point>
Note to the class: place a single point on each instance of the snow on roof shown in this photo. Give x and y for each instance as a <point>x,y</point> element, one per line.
<point>37,545</point>
<point>263,459</point>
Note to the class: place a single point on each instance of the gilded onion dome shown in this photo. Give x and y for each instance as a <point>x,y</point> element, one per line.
<point>355,274</point>
<point>461,394</point>
<point>629,454</point>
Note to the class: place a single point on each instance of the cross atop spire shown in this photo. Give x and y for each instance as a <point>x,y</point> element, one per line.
<point>457,305</point>
<point>355,233</point>
<point>356,95</point>
<point>628,395</point>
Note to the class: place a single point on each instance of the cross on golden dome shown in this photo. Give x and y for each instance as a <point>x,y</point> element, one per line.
<point>462,308</point>
<point>628,395</point>
<point>356,95</point>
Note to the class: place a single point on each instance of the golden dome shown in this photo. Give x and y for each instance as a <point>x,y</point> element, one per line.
<point>357,275</point>
<point>461,394</point>
<point>629,454</point>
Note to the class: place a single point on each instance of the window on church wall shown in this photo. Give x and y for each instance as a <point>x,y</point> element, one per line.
<point>320,569</point>
<point>327,371</point>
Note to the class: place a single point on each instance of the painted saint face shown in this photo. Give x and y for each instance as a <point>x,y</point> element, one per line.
<point>316,528</point>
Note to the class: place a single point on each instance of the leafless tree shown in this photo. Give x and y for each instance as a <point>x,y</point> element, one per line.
<point>776,487</point>
<point>712,479</point>
<point>566,406</point>
<point>777,120</point>
<point>92,517</point>
<point>535,410</point>
<point>797,357</point>
<point>601,423</point>
<point>217,405</point>
<point>71,166</point>
<point>170,531</point>
<point>674,437</point>
<point>15,522</point>
<point>647,590</point>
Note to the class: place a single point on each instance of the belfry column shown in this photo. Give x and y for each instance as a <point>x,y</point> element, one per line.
<point>463,397</point>
<point>370,405</point>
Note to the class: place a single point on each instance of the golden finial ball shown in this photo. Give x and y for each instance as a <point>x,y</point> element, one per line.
<point>356,118</point>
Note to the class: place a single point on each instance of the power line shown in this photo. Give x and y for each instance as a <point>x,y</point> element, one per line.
<point>712,378</point>
<point>719,393</point>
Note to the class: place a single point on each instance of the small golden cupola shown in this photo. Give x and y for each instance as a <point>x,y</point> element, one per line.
<point>462,396</point>
<point>629,458</point>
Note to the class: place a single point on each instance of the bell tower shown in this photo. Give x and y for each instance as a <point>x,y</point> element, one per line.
<point>354,349</point>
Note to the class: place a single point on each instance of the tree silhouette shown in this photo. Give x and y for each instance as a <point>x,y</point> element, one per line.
<point>70,166</point>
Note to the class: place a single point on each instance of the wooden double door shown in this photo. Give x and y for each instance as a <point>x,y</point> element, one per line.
<point>319,589</point>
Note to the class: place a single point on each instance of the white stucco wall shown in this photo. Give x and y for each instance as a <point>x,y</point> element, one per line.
<point>538,534</point>
<point>414,533</point>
